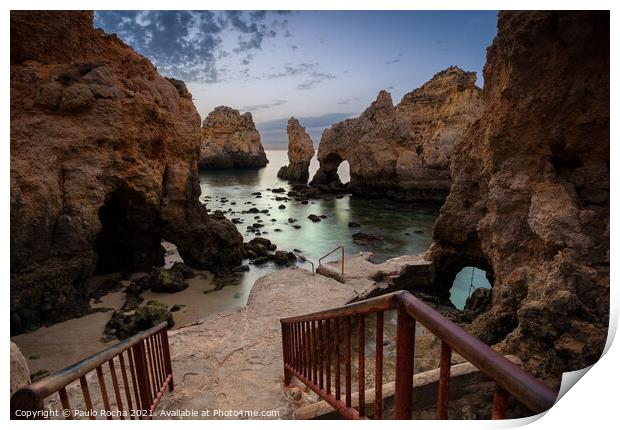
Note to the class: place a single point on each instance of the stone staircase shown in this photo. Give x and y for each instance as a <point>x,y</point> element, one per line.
<point>330,272</point>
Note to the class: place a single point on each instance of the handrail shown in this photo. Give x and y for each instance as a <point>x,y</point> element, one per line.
<point>330,253</point>
<point>301,356</point>
<point>149,364</point>
<point>302,258</point>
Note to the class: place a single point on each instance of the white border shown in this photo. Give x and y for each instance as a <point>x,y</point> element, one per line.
<point>591,404</point>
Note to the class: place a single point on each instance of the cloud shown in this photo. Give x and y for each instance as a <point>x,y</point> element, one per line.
<point>317,78</point>
<point>263,106</point>
<point>188,44</point>
<point>290,69</point>
<point>248,58</point>
<point>310,70</point>
<point>348,100</point>
<point>394,61</point>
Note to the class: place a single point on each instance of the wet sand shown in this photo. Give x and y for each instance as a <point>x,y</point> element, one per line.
<point>63,344</point>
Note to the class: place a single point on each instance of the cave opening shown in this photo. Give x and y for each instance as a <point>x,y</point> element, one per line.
<point>130,237</point>
<point>344,171</point>
<point>335,168</point>
<point>466,281</point>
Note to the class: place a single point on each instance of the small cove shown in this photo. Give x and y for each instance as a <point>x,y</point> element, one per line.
<point>404,228</point>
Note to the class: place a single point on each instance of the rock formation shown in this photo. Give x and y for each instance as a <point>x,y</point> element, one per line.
<point>529,201</point>
<point>230,139</point>
<point>404,151</point>
<point>20,373</point>
<point>104,156</point>
<point>300,152</point>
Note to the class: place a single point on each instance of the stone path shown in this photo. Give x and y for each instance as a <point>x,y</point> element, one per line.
<point>233,361</point>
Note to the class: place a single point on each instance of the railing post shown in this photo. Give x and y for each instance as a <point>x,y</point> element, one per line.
<point>167,358</point>
<point>287,376</point>
<point>405,349</point>
<point>26,400</point>
<point>500,401</point>
<point>142,375</point>
<point>443,390</point>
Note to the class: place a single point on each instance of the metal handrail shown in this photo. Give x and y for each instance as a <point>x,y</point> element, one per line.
<point>150,373</point>
<point>301,357</point>
<point>302,258</point>
<point>330,253</point>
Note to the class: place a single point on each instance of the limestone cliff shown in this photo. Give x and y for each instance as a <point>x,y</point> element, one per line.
<point>404,151</point>
<point>530,195</point>
<point>300,152</point>
<point>104,156</point>
<point>230,139</point>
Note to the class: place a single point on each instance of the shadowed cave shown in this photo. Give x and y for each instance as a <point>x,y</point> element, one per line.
<point>332,169</point>
<point>130,238</point>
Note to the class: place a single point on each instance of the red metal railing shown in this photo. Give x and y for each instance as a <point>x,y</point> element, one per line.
<point>341,248</point>
<point>311,343</point>
<point>145,369</point>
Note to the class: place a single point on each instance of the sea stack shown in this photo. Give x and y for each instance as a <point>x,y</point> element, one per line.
<point>104,155</point>
<point>530,192</point>
<point>403,151</point>
<point>230,140</point>
<point>300,152</point>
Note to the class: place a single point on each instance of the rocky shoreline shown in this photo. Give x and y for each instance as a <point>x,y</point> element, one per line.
<point>105,158</point>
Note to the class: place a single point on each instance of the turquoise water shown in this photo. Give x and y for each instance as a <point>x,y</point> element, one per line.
<point>404,228</point>
<point>465,282</point>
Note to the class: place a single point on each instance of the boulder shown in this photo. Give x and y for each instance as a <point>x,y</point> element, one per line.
<point>300,152</point>
<point>366,239</point>
<point>126,324</point>
<point>479,301</point>
<point>20,373</point>
<point>230,139</point>
<point>167,281</point>
<point>183,269</point>
<point>284,258</point>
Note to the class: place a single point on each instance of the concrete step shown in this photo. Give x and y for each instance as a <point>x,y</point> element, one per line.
<point>330,272</point>
<point>463,376</point>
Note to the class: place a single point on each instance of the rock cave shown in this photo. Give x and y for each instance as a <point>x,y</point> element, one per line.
<point>130,238</point>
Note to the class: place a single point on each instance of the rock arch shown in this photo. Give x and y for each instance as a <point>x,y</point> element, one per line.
<point>403,151</point>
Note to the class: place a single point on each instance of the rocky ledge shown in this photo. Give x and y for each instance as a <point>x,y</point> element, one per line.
<point>403,151</point>
<point>104,156</point>
<point>530,196</point>
<point>230,140</point>
<point>300,152</point>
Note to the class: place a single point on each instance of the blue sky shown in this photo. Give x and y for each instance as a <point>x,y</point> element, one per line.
<point>319,66</point>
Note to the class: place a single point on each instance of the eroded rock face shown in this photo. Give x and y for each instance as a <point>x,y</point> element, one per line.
<point>230,139</point>
<point>104,156</point>
<point>530,195</point>
<point>300,152</point>
<point>403,151</point>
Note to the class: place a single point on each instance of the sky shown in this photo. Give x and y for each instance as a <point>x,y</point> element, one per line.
<point>318,66</point>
